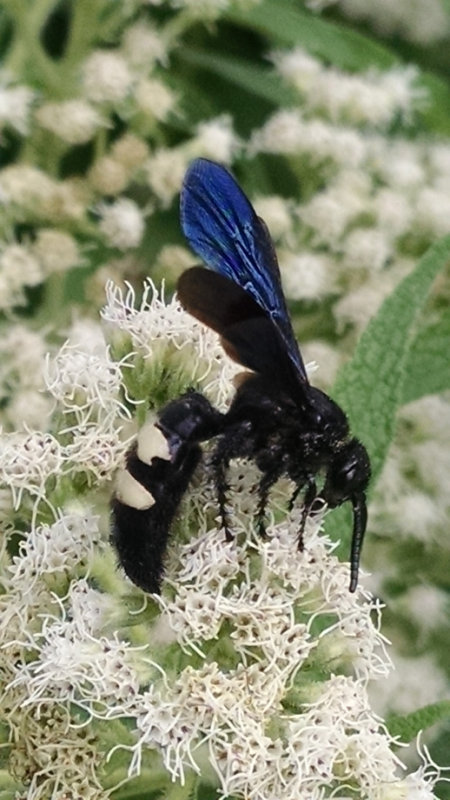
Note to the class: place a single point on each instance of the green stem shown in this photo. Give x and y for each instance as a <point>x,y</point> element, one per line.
<point>84,29</point>
<point>54,309</point>
<point>182,792</point>
<point>26,54</point>
<point>174,29</point>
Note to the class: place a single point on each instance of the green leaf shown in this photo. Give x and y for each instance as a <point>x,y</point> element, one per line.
<point>370,386</point>
<point>285,24</point>
<point>408,726</point>
<point>435,112</point>
<point>256,78</point>
<point>427,368</point>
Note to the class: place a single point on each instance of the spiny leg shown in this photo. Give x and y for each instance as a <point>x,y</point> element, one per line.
<point>293,497</point>
<point>222,487</point>
<point>267,480</point>
<point>308,502</point>
<point>224,451</point>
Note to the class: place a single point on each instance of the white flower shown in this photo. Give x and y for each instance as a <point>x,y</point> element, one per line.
<point>325,358</point>
<point>432,462</point>
<point>430,415</point>
<point>427,605</point>
<point>282,133</point>
<point>70,200</point>
<point>72,664</point>
<point>130,150</point>
<point>87,336</point>
<point>215,139</point>
<point>360,304</point>
<point>399,163</point>
<point>418,515</point>
<point>25,186</point>
<point>74,121</point>
<point>122,223</point>
<point>299,67</point>
<point>29,407</point>
<point>32,191</point>
<point>15,105</point>
<point>432,212</point>
<point>422,21</point>
<point>18,268</point>
<point>154,98</point>
<point>413,683</point>
<point>61,547</point>
<point>106,77</point>
<point>439,159</point>
<point>306,276</point>
<point>393,211</point>
<point>22,353</point>
<point>157,329</point>
<point>275,212</point>
<point>373,98</point>
<point>330,212</point>
<point>287,132</point>
<point>27,461</point>
<point>56,250</point>
<point>143,45</point>
<point>366,248</point>
<point>83,381</point>
<point>108,175</point>
<point>96,450</point>
<point>165,171</point>
<point>172,260</point>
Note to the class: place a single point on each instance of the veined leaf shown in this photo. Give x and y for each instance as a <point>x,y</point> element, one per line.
<point>408,726</point>
<point>284,23</point>
<point>370,386</point>
<point>427,369</point>
<point>254,77</point>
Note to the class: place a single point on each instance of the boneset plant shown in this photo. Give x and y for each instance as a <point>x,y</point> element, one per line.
<point>255,673</point>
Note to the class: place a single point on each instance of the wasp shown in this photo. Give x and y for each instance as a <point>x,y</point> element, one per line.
<point>276,418</point>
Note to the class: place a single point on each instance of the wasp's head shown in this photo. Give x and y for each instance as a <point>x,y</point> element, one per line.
<point>347,479</point>
<point>348,474</point>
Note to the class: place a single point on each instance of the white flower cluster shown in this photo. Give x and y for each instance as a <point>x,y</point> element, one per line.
<point>419,509</point>
<point>274,655</point>
<point>22,354</point>
<point>156,329</point>
<point>374,98</point>
<point>27,461</point>
<point>235,717</point>
<point>84,435</point>
<point>421,21</point>
<point>15,104</point>
<point>206,10</point>
<point>49,646</point>
<point>379,196</point>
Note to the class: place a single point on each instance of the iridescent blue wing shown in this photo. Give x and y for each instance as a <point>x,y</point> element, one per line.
<point>223,229</point>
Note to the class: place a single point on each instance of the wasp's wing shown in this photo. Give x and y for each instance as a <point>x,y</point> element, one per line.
<point>248,334</point>
<point>222,227</point>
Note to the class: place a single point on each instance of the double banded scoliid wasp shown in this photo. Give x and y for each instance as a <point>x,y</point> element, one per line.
<point>286,426</point>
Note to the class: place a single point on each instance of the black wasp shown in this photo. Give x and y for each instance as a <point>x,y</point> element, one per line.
<point>288,427</point>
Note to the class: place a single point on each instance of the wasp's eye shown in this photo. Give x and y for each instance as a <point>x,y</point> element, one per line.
<point>348,473</point>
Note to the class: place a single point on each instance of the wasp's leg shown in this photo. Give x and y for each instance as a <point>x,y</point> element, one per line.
<point>234,443</point>
<point>308,502</point>
<point>293,497</point>
<point>267,480</point>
